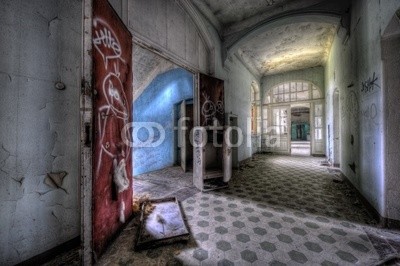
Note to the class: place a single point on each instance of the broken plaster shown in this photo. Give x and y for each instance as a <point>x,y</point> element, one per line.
<point>55,180</point>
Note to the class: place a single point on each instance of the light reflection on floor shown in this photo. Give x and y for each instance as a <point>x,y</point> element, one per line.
<point>278,210</point>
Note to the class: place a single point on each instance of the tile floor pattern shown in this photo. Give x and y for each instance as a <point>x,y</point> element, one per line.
<point>278,210</point>
<point>238,230</point>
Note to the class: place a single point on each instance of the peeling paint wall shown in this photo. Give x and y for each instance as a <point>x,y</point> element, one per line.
<point>355,69</point>
<point>40,45</point>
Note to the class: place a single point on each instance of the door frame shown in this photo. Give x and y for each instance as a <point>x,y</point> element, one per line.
<point>182,131</point>
<point>288,125</point>
<point>308,105</point>
<point>336,128</point>
<point>314,152</point>
<point>86,136</point>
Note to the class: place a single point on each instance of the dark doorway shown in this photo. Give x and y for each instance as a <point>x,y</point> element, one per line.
<point>300,131</point>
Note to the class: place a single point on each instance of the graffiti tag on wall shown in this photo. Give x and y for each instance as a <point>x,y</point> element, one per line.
<point>370,84</point>
<point>370,114</point>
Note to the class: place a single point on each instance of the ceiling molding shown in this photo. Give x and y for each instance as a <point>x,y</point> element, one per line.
<point>338,7</point>
<point>232,45</point>
<point>282,19</point>
<point>253,71</point>
<point>209,15</point>
<point>204,33</point>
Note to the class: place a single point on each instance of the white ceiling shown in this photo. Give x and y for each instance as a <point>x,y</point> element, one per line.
<point>289,47</point>
<point>231,11</point>
<point>278,49</point>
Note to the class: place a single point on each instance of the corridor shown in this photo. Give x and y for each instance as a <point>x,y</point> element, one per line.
<point>278,210</point>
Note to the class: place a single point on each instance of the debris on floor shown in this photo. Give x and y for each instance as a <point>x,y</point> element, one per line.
<point>138,200</point>
<point>161,223</point>
<point>324,163</point>
<point>387,245</point>
<point>338,181</point>
<point>357,203</point>
<point>213,184</point>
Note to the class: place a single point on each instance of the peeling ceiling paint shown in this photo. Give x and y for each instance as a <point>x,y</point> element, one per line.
<point>289,47</point>
<point>280,49</point>
<point>232,11</point>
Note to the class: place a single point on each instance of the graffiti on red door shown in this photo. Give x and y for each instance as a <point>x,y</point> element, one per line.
<point>112,173</point>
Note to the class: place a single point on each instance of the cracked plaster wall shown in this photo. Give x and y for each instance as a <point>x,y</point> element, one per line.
<point>361,110</point>
<point>40,45</point>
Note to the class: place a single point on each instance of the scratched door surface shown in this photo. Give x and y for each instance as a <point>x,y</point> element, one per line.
<point>211,94</point>
<point>112,166</point>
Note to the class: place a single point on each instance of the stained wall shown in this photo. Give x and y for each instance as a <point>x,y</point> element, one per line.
<point>355,69</point>
<point>40,45</point>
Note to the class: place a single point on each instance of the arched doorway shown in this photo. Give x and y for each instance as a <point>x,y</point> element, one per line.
<point>278,119</point>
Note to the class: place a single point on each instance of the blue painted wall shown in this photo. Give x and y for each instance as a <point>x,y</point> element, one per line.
<point>156,104</point>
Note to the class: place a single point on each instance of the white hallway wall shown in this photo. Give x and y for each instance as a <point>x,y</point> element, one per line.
<point>361,111</point>
<point>40,45</point>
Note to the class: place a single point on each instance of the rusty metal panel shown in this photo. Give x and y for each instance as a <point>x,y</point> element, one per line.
<point>211,93</point>
<point>112,162</point>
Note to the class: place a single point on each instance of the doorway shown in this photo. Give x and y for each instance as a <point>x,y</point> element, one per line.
<point>184,125</point>
<point>336,130</point>
<point>233,122</point>
<point>300,130</point>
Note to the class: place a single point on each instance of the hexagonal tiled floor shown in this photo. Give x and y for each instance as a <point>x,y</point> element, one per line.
<point>279,211</point>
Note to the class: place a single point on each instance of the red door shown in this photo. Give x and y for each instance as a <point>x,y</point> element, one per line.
<point>112,161</point>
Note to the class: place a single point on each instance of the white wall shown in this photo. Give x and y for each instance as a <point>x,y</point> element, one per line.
<point>391,95</point>
<point>237,101</point>
<point>40,45</point>
<point>361,112</point>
